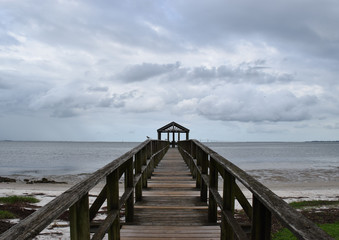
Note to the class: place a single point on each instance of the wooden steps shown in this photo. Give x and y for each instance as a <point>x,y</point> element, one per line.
<point>170,232</point>
<point>171,207</point>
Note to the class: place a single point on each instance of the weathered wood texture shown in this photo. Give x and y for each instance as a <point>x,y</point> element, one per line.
<point>265,202</point>
<point>170,204</point>
<point>171,207</point>
<point>143,157</point>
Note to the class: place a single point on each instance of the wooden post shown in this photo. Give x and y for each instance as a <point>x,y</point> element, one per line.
<point>138,187</point>
<point>198,176</point>
<point>112,182</point>
<point>149,150</point>
<point>261,222</point>
<point>212,204</point>
<point>144,163</point>
<point>154,147</point>
<point>228,205</point>
<point>79,219</point>
<point>151,167</point>
<point>204,170</point>
<point>129,206</point>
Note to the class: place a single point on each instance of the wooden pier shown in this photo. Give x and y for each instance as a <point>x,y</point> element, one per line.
<point>171,207</point>
<point>168,193</point>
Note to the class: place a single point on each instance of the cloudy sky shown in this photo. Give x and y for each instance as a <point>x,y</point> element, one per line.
<point>118,70</point>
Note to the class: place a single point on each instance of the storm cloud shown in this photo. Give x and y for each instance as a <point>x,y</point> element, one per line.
<point>238,71</point>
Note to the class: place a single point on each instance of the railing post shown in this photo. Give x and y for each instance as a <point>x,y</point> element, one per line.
<point>198,157</point>
<point>151,167</point>
<point>228,205</point>
<point>144,163</point>
<point>79,219</point>
<point>261,222</point>
<point>155,146</point>
<point>212,204</point>
<point>188,146</point>
<point>149,150</point>
<point>129,206</point>
<point>204,170</point>
<point>112,181</point>
<point>193,149</point>
<point>138,187</point>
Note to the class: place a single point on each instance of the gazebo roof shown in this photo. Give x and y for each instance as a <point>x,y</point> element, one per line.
<point>173,127</point>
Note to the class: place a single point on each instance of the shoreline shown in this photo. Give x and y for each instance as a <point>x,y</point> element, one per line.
<point>46,192</point>
<point>317,190</point>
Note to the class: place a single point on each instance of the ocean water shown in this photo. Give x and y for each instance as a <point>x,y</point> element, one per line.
<point>57,159</point>
<point>280,155</point>
<point>267,161</point>
<point>288,162</point>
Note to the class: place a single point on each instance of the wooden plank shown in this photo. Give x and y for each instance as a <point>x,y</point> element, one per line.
<point>171,193</point>
<point>177,238</point>
<point>170,232</point>
<point>171,207</point>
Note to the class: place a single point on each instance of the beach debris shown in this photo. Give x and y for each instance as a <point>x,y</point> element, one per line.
<point>6,179</point>
<point>43,180</point>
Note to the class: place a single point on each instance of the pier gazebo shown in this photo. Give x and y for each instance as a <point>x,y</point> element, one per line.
<point>173,128</point>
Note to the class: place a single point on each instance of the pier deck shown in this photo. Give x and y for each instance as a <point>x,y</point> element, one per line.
<point>171,207</point>
<point>168,203</point>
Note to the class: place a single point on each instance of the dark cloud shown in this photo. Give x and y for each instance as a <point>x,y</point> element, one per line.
<point>146,71</point>
<point>216,62</point>
<point>117,100</point>
<point>244,72</point>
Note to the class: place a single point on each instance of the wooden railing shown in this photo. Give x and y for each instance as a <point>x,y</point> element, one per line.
<point>136,166</point>
<point>206,166</point>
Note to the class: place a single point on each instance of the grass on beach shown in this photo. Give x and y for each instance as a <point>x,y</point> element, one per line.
<point>331,228</point>
<point>18,199</point>
<point>6,215</point>
<point>319,203</point>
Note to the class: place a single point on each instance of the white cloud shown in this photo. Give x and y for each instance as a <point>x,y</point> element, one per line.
<point>224,64</point>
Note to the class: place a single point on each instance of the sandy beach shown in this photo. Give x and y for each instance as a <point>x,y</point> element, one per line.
<point>290,191</point>
<point>59,229</point>
<point>45,192</point>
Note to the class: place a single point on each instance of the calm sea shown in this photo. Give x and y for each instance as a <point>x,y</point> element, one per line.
<point>268,161</point>
<point>45,159</point>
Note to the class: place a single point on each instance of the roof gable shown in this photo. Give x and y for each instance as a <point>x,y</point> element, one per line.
<point>173,127</point>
